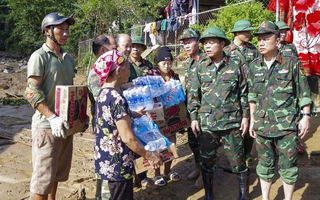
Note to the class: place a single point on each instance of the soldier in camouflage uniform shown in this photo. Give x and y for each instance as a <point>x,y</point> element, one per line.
<point>100,45</point>
<point>278,90</point>
<point>288,48</point>
<point>191,45</point>
<point>284,46</point>
<point>243,52</point>
<point>220,112</point>
<point>139,66</point>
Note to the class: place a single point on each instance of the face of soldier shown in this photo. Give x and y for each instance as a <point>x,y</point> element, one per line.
<point>243,36</point>
<point>136,50</point>
<point>191,46</point>
<point>213,47</point>
<point>165,66</point>
<point>283,35</point>
<point>125,45</point>
<point>267,44</point>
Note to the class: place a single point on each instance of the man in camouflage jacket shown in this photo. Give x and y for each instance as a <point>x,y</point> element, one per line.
<point>284,46</point>
<point>220,112</point>
<point>243,52</point>
<point>138,65</point>
<point>191,46</point>
<point>278,90</point>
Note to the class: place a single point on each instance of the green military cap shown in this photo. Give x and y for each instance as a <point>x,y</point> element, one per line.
<point>214,32</point>
<point>190,33</point>
<point>282,25</point>
<point>136,39</point>
<point>242,25</point>
<point>267,27</point>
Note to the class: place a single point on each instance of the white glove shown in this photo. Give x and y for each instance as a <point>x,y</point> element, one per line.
<point>58,126</point>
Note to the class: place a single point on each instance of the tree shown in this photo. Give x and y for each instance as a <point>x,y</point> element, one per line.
<point>24,22</point>
<point>4,10</point>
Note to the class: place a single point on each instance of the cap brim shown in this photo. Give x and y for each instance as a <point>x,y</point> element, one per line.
<point>240,30</point>
<point>227,41</point>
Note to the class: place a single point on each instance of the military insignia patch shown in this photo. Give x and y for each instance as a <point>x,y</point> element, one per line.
<point>301,69</point>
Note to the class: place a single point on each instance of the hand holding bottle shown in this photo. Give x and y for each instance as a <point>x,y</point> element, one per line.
<point>154,159</point>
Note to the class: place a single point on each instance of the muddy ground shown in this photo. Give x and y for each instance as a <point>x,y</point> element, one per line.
<point>16,166</point>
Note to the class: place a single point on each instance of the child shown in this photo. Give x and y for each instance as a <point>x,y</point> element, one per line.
<point>164,60</point>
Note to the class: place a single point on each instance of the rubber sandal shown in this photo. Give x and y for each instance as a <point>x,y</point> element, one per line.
<point>301,149</point>
<point>173,176</point>
<point>158,180</point>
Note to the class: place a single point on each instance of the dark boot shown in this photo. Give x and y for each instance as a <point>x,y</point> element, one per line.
<point>243,181</point>
<point>208,185</point>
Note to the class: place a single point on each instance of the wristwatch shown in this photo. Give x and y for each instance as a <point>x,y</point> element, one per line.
<point>306,114</point>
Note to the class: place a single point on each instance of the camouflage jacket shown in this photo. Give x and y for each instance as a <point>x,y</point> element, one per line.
<point>249,52</point>
<point>288,48</point>
<point>189,66</point>
<point>279,93</point>
<point>93,89</point>
<point>224,92</point>
<point>139,70</point>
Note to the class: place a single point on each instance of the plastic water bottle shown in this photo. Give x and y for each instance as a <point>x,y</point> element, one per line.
<point>155,145</point>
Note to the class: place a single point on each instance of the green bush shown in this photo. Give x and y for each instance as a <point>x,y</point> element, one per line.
<point>255,12</point>
<point>86,59</point>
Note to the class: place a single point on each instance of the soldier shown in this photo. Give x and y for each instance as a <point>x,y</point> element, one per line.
<point>139,66</point>
<point>221,111</point>
<point>284,46</point>
<point>288,48</point>
<point>191,45</point>
<point>243,52</point>
<point>278,90</point>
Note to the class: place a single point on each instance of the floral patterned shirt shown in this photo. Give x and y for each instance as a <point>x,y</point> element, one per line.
<point>113,159</point>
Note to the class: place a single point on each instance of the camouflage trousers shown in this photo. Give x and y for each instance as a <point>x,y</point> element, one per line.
<point>232,141</point>
<point>285,150</point>
<point>193,144</point>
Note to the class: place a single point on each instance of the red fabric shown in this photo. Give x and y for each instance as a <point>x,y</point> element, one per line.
<point>305,33</point>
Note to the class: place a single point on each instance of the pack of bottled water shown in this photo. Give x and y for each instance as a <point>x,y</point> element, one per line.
<point>139,97</point>
<point>149,134</point>
<point>155,83</point>
<point>175,94</point>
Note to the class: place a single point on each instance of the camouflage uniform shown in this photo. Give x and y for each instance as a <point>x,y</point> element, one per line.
<point>244,55</point>
<point>249,51</point>
<point>219,109</point>
<point>139,70</point>
<point>190,65</point>
<point>279,94</point>
<point>287,48</point>
<point>93,89</point>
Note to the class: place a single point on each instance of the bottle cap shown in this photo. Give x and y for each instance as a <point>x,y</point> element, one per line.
<point>147,147</point>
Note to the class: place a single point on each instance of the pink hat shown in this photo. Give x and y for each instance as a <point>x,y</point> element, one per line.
<point>106,63</point>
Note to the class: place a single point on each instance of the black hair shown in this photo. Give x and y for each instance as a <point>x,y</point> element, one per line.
<point>98,42</point>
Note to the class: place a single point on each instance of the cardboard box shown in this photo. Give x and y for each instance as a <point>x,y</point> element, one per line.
<point>175,120</point>
<point>166,154</point>
<point>156,111</point>
<point>71,105</point>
